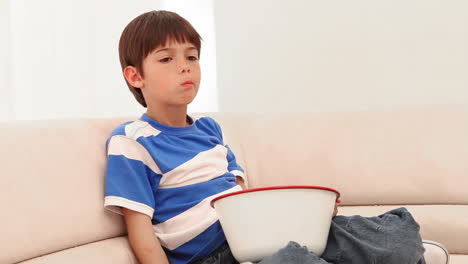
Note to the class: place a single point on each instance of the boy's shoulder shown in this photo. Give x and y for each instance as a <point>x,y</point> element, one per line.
<point>120,129</point>
<point>204,119</point>
<point>207,121</point>
<point>134,129</point>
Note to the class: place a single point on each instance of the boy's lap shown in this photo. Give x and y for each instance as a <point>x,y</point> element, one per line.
<point>392,237</point>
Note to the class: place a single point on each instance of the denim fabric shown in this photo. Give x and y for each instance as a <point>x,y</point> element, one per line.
<point>390,238</point>
<point>222,255</point>
<point>293,253</point>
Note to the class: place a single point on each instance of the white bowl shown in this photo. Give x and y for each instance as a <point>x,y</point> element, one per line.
<point>258,222</point>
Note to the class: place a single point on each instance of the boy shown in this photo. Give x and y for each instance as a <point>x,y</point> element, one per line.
<point>165,168</point>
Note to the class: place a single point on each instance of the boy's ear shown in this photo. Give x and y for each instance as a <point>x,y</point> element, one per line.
<point>133,77</point>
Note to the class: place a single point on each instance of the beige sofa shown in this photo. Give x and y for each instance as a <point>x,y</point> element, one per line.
<point>52,175</point>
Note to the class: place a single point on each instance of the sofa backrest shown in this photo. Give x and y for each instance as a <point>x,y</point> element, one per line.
<point>411,155</point>
<point>52,186</point>
<point>52,171</point>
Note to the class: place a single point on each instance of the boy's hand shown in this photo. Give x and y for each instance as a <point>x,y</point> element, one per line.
<point>335,212</point>
<point>240,181</point>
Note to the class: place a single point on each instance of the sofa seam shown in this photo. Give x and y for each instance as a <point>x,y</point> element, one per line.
<point>57,251</point>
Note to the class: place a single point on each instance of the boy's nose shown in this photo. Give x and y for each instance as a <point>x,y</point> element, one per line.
<point>184,67</point>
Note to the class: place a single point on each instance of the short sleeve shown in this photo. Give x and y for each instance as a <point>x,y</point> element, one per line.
<point>132,176</point>
<point>233,166</point>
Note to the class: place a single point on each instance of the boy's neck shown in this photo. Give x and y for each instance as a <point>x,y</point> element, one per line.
<point>174,117</point>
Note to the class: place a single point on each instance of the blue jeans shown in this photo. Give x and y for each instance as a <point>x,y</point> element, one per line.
<point>390,238</point>
<point>222,255</point>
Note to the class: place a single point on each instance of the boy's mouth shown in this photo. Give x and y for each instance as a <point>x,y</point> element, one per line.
<point>187,84</point>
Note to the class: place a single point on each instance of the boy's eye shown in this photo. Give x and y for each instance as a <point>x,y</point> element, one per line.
<point>192,58</point>
<point>168,59</point>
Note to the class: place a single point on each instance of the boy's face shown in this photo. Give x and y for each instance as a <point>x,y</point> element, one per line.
<point>171,75</point>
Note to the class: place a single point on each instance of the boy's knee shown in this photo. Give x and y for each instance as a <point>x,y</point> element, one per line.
<point>390,236</point>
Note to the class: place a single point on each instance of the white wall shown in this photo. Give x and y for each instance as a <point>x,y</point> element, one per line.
<point>6,106</point>
<point>59,58</point>
<point>276,56</point>
<point>65,58</point>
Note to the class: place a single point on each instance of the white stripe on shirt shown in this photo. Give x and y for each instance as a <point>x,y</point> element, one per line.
<point>131,149</point>
<point>182,228</point>
<point>205,166</point>
<point>115,204</point>
<point>140,128</point>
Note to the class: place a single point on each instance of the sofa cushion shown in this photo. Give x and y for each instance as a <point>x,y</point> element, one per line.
<point>115,250</point>
<point>52,181</point>
<point>458,259</point>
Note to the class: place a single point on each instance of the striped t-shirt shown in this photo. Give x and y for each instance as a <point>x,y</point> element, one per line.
<point>171,174</point>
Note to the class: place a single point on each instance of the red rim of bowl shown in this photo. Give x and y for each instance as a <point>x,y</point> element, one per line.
<point>338,200</point>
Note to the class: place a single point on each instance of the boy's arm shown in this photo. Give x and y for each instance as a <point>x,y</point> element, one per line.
<point>240,181</point>
<point>141,235</point>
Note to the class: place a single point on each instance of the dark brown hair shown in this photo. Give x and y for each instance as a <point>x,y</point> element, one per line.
<point>149,31</point>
